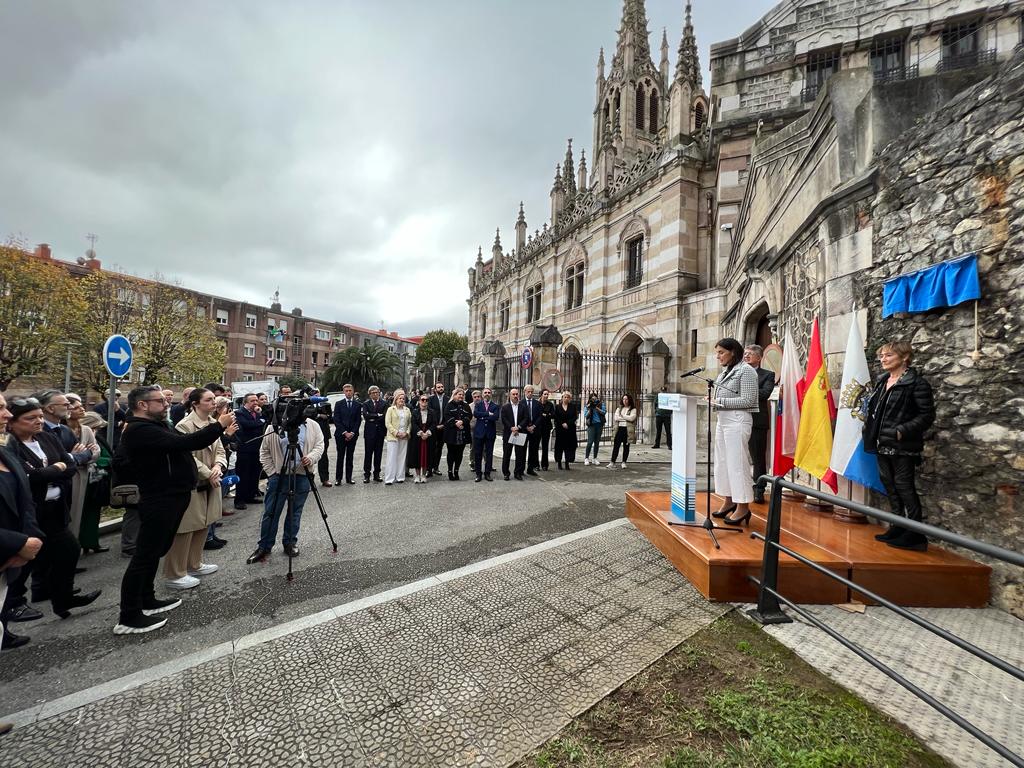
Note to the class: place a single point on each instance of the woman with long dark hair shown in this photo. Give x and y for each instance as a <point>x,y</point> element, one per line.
<point>625,429</point>
<point>899,412</point>
<point>456,431</point>
<point>566,415</point>
<point>735,400</point>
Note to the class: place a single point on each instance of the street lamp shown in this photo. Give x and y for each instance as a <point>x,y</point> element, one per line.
<point>67,363</point>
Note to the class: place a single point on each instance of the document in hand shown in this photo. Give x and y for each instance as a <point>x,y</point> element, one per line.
<point>517,439</point>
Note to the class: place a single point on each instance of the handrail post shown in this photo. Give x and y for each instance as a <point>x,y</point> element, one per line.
<point>768,610</point>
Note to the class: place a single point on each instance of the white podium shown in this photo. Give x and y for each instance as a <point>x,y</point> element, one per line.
<point>684,453</point>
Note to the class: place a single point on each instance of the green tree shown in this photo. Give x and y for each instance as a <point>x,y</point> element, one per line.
<point>295,382</point>
<point>113,302</point>
<point>39,309</point>
<point>361,367</point>
<point>440,343</point>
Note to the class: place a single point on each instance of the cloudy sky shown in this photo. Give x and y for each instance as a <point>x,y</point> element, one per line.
<point>354,154</point>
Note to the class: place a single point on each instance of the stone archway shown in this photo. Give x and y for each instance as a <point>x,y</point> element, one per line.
<point>757,326</point>
<point>629,351</point>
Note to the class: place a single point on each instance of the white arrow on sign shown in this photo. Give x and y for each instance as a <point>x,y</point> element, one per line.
<point>120,355</point>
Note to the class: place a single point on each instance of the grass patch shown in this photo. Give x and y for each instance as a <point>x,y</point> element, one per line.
<point>732,697</point>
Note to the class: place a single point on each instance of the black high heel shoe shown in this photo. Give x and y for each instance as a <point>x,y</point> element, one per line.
<point>742,520</point>
<point>77,601</point>
<point>724,511</point>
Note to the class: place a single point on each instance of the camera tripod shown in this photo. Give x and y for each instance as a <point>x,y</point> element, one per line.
<point>293,458</point>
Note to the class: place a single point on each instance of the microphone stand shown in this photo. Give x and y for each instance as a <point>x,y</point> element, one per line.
<point>707,525</point>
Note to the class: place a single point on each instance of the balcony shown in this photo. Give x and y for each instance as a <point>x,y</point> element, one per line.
<point>809,94</point>
<point>897,74</point>
<point>967,60</point>
<point>633,279</point>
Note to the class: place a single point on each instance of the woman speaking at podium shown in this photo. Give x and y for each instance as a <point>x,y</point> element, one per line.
<point>735,399</point>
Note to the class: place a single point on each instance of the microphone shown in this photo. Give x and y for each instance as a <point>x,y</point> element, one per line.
<point>694,372</point>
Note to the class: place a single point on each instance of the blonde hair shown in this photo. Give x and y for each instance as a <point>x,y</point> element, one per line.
<point>901,348</point>
<point>396,393</point>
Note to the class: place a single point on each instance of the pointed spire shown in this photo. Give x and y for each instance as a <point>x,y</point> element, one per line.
<point>480,254</point>
<point>497,239</point>
<point>522,214</point>
<point>600,65</point>
<point>688,63</point>
<point>633,46</point>
<point>557,187</point>
<point>569,177</point>
<point>581,185</point>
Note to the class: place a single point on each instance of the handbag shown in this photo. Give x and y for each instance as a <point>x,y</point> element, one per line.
<point>126,495</point>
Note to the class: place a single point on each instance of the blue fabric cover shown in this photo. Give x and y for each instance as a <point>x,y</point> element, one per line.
<point>944,285</point>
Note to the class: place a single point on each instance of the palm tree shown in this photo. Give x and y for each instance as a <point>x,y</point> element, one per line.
<point>361,367</point>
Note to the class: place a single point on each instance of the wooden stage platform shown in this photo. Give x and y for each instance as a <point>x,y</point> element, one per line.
<point>936,578</point>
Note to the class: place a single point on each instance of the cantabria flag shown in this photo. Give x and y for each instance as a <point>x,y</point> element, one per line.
<point>848,457</point>
<point>814,441</point>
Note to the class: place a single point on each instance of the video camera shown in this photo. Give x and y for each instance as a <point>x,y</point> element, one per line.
<point>291,410</point>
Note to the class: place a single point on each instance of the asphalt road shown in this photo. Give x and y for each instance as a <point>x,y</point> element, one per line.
<point>387,536</point>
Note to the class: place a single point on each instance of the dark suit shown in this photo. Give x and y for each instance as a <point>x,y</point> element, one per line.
<point>348,416</point>
<point>758,442</point>
<point>544,426</point>
<point>17,511</point>
<point>508,421</point>
<point>374,433</point>
<point>439,405</point>
<point>323,466</point>
<point>54,566</point>
<point>484,432</point>
<point>533,409</point>
<point>247,461</point>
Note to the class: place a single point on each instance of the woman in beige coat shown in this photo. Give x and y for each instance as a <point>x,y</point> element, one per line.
<point>184,562</point>
<point>80,482</point>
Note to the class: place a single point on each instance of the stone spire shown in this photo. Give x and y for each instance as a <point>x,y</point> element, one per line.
<point>479,258</point>
<point>664,56</point>
<point>520,230</point>
<point>496,250</point>
<point>569,175</point>
<point>581,184</point>
<point>557,196</point>
<point>633,47</point>
<point>688,64</point>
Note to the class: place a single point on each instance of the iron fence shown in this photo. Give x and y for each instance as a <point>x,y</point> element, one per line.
<point>609,377</point>
<point>769,602</point>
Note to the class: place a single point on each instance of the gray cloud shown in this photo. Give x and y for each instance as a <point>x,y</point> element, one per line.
<point>352,153</point>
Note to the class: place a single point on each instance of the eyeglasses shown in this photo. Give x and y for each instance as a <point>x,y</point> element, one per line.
<point>153,400</point>
<point>423,400</point>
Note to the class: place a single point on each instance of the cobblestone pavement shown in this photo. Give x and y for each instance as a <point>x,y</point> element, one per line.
<point>469,670</point>
<point>984,695</point>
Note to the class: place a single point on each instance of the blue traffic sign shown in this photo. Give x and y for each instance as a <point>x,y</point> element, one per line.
<point>117,356</point>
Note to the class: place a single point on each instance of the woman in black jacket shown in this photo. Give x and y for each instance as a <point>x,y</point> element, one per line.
<point>899,412</point>
<point>547,423</point>
<point>456,431</point>
<point>566,416</point>
<point>50,469</point>
<point>421,437</point>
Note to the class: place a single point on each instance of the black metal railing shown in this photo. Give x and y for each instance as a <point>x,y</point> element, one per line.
<point>770,600</point>
<point>634,278</point>
<point>967,60</point>
<point>897,74</point>
<point>809,94</point>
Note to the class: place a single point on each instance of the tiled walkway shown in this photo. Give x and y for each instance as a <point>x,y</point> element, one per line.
<point>470,670</point>
<point>984,695</point>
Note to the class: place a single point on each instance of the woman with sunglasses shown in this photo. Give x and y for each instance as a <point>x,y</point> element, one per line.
<point>50,470</point>
<point>424,426</point>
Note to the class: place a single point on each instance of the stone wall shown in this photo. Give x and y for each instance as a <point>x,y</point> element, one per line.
<point>952,185</point>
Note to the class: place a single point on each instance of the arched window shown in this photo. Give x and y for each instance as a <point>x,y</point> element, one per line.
<point>698,117</point>
<point>634,261</point>
<point>653,116</point>
<point>607,115</point>
<point>533,297</point>
<point>574,286</point>
<point>504,307</point>
<point>618,109</point>
<point>640,106</point>
<point>483,325</point>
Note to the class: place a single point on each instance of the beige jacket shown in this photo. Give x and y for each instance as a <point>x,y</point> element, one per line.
<point>272,457</point>
<point>391,422</point>
<point>626,417</point>
<point>206,505</point>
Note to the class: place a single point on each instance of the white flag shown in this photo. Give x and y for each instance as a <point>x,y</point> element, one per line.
<point>789,376</point>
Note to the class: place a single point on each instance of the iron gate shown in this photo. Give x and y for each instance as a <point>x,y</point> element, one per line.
<point>609,377</point>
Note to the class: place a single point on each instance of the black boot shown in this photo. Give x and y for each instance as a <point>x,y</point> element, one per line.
<point>909,540</point>
<point>894,532</point>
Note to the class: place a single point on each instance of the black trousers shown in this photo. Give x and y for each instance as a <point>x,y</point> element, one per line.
<point>506,456</point>
<point>758,446</point>
<point>483,454</point>
<point>472,454</point>
<point>565,449</point>
<point>621,441</point>
<point>438,444</point>
<point>666,423</point>
<point>532,446</point>
<point>897,475</point>
<point>373,446</point>
<point>160,518</point>
<point>455,451</point>
<point>544,443</point>
<point>53,569</point>
<point>346,455</point>
<point>323,467</point>
<point>247,467</point>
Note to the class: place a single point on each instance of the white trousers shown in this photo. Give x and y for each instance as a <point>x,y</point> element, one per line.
<point>394,461</point>
<point>732,456</point>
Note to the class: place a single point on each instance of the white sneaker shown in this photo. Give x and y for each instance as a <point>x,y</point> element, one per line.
<point>623,465</point>
<point>204,569</point>
<point>586,462</point>
<point>611,465</point>
<point>185,582</point>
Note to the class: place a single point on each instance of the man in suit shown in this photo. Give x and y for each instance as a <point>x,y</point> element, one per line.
<point>533,411</point>
<point>55,411</point>
<point>251,424</point>
<point>514,421</point>
<point>758,442</point>
<point>484,431</point>
<point>348,415</point>
<point>374,432</point>
<point>663,421</point>
<point>438,404</point>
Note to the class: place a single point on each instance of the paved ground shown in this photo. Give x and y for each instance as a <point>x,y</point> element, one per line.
<point>470,670</point>
<point>982,694</point>
<point>387,537</point>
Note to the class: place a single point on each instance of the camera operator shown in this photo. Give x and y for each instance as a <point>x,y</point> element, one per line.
<point>324,417</point>
<point>160,462</point>
<point>309,437</point>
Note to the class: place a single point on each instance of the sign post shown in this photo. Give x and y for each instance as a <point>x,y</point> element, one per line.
<point>117,359</point>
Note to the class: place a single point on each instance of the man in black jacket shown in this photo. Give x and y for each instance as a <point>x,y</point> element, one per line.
<point>758,441</point>
<point>374,432</point>
<point>514,421</point>
<point>159,460</point>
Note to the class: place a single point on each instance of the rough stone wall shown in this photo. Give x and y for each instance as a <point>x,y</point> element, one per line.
<point>953,185</point>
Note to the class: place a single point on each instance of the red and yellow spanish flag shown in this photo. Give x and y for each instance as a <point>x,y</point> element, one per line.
<point>817,411</point>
